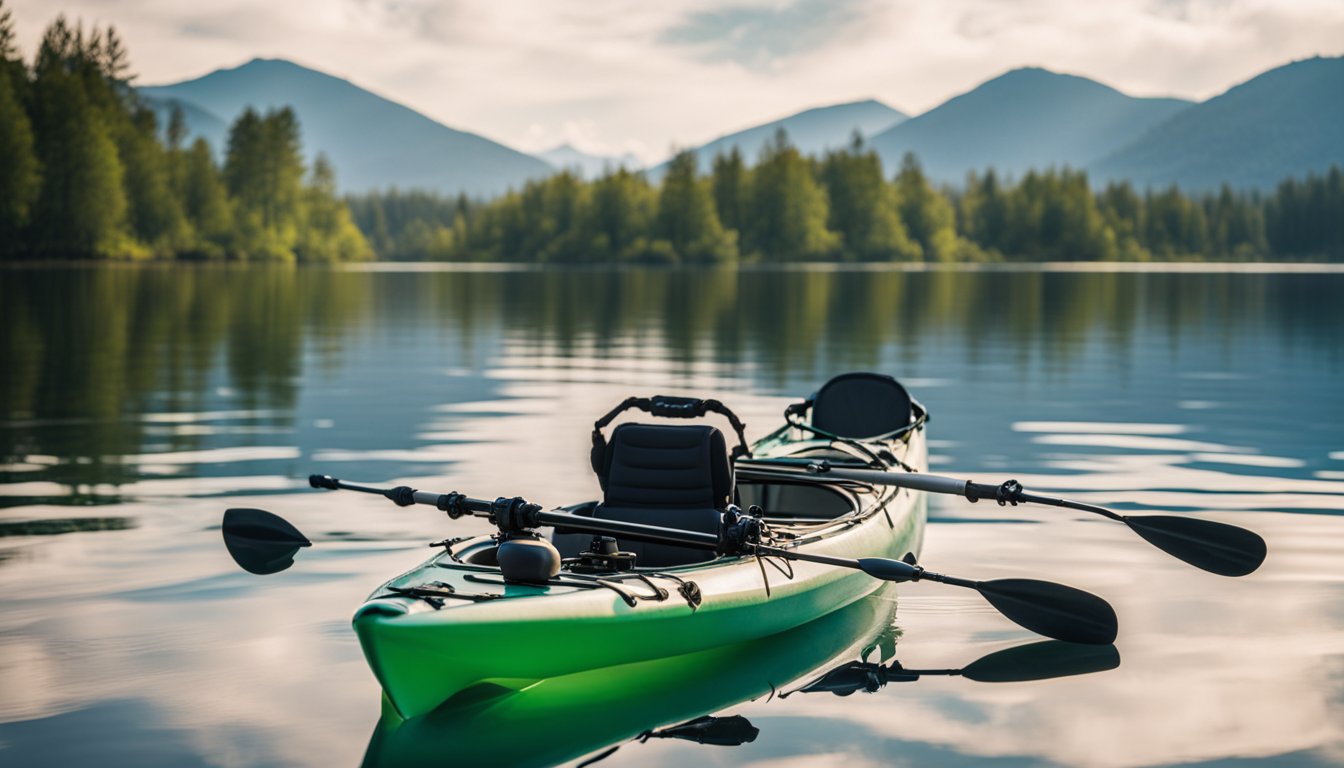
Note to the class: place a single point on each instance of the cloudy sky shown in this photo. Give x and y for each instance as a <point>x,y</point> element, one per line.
<point>612,76</point>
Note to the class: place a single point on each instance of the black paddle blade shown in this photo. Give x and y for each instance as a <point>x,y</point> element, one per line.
<point>260,542</point>
<point>1042,661</point>
<point>730,731</point>
<point>1053,610</point>
<point>890,570</point>
<point>1216,547</point>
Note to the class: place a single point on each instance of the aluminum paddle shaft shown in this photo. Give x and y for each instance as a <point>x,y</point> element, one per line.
<point>1226,550</point>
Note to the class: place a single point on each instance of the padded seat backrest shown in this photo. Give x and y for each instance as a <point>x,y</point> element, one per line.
<point>669,476</point>
<point>861,405</point>
<point>667,466</point>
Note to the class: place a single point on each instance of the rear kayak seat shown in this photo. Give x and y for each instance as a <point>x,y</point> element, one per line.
<point>669,476</point>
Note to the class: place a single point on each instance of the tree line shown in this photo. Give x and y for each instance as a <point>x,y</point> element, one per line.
<point>86,171</point>
<point>89,173</point>
<point>843,207</point>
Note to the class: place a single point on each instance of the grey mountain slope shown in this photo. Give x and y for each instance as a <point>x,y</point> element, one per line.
<point>372,142</point>
<point>1285,122</point>
<point>588,166</point>
<point>200,122</point>
<point>1023,119</point>
<point>813,131</point>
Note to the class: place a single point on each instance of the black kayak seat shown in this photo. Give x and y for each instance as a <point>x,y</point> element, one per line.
<point>669,476</point>
<point>861,405</point>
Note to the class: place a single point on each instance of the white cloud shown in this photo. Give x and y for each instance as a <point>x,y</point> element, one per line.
<point>618,76</point>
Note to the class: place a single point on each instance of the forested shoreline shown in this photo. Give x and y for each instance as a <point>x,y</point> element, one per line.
<point>842,207</point>
<point>86,172</point>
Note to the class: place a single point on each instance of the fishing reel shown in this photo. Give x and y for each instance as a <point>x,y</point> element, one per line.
<point>602,556</point>
<point>740,532</point>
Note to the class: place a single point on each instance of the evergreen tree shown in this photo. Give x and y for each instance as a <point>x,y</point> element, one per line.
<point>20,179</point>
<point>155,211</point>
<point>622,212</point>
<point>687,219</point>
<point>81,209</point>
<point>205,202</point>
<point>729,181</point>
<point>328,233</point>
<point>787,209</point>
<point>863,207</point>
<point>927,215</point>
<point>985,212</point>
<point>264,173</point>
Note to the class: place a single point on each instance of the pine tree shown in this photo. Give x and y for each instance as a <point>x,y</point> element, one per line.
<point>21,178</point>
<point>205,202</point>
<point>927,215</point>
<point>729,181</point>
<point>787,208</point>
<point>622,211</point>
<point>81,209</point>
<point>328,233</point>
<point>687,219</point>
<point>863,206</point>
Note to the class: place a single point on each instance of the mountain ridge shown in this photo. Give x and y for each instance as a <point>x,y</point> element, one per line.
<point>812,131</point>
<point>372,141</point>
<point>1026,118</point>
<point>1283,122</point>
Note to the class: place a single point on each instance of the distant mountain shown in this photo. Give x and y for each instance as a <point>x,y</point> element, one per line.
<point>1023,119</point>
<point>566,157</point>
<point>812,131</point>
<point>372,142</point>
<point>1286,122</point>
<point>200,122</point>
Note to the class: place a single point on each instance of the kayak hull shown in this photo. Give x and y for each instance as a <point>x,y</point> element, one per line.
<point>490,636</point>
<point>566,717</point>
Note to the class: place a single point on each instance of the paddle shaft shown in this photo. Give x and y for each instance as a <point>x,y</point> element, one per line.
<point>530,515</point>
<point>923,481</point>
<point>1050,609</point>
<point>514,512</point>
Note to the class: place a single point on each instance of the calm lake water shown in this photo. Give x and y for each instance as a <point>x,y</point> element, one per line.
<point>136,404</point>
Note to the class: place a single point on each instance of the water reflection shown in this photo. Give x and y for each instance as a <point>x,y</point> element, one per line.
<point>167,394</point>
<point>118,376</point>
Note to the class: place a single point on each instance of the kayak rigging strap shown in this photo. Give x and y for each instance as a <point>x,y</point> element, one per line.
<point>668,407</point>
<point>689,590</point>
<point>435,592</point>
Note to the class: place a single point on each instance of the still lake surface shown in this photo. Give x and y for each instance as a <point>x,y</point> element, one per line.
<point>136,404</point>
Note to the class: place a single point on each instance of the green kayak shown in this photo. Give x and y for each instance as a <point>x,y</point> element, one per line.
<point>454,627</point>
<point>569,716</point>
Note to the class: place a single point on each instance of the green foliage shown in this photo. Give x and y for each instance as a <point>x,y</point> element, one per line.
<point>205,202</point>
<point>327,232</point>
<point>928,215</point>
<point>863,207</point>
<point>1305,218</point>
<point>729,181</point>
<point>622,212</point>
<point>20,182</point>
<point>787,209</point>
<point>86,176</point>
<point>81,208</point>
<point>687,218</point>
